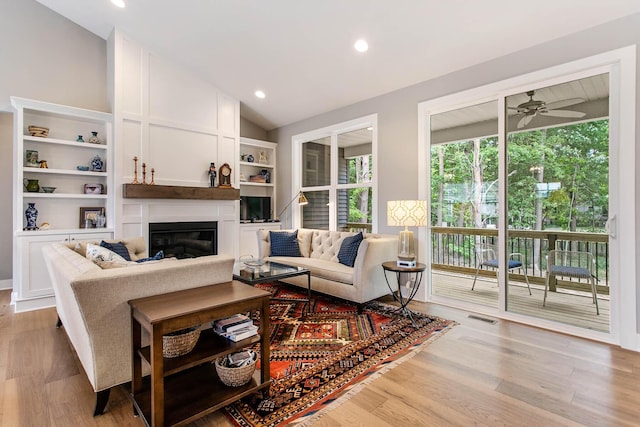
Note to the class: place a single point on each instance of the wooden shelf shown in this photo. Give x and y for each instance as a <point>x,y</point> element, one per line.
<point>142,191</point>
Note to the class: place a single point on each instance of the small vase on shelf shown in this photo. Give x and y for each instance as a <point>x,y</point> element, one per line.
<point>79,139</point>
<point>93,139</point>
<point>97,165</point>
<point>31,215</point>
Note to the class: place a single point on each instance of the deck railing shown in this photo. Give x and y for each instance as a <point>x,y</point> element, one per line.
<point>453,249</point>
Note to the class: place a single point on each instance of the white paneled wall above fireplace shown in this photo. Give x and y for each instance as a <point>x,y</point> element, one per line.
<point>176,124</point>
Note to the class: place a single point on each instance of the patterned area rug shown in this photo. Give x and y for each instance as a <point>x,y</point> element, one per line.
<point>322,358</point>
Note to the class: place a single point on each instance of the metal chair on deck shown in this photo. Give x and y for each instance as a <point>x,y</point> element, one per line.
<point>579,265</point>
<point>486,257</point>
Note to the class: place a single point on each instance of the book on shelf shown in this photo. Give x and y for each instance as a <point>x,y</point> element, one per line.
<point>231,324</point>
<point>241,334</point>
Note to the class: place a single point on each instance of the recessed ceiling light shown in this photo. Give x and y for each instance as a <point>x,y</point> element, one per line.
<point>260,94</point>
<point>361,45</point>
<point>119,3</point>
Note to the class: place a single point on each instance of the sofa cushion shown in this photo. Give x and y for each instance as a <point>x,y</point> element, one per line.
<point>325,269</point>
<point>105,258</point>
<point>326,244</point>
<point>284,243</point>
<point>349,249</point>
<point>117,247</point>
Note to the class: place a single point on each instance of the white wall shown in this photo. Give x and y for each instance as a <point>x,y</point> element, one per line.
<point>398,119</point>
<point>46,57</point>
<point>176,124</point>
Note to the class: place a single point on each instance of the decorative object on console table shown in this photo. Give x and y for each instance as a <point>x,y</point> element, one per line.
<point>407,213</point>
<point>144,173</point>
<point>97,165</point>
<point>212,174</point>
<point>93,139</point>
<point>89,216</point>
<point>153,177</point>
<point>225,176</point>
<point>31,215</point>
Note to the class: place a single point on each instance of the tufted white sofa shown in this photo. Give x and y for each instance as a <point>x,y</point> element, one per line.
<point>319,254</point>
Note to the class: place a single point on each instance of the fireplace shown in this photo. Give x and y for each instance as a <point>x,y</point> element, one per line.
<point>183,239</point>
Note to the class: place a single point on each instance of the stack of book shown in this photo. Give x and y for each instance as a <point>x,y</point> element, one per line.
<point>235,328</point>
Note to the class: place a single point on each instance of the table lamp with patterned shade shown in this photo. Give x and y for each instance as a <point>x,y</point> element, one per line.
<point>407,213</point>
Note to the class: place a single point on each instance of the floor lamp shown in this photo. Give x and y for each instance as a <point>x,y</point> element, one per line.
<point>407,213</point>
<point>302,201</point>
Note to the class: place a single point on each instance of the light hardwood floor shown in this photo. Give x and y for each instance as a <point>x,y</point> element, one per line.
<point>476,374</point>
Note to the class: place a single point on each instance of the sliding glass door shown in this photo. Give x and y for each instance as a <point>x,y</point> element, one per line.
<point>522,188</point>
<point>558,200</point>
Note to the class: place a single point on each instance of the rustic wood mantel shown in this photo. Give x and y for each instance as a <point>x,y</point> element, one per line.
<point>146,191</point>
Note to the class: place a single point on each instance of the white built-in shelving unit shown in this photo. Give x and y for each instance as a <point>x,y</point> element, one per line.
<point>60,209</point>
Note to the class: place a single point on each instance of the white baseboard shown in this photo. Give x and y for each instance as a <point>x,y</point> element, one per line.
<point>6,284</point>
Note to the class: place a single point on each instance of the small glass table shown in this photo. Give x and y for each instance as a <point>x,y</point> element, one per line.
<point>267,271</point>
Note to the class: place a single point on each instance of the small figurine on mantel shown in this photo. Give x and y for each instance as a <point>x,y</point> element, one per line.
<point>212,175</point>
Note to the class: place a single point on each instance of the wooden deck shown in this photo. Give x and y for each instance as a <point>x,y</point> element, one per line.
<point>567,307</point>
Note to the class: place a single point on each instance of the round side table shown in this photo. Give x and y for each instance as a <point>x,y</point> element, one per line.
<point>404,300</point>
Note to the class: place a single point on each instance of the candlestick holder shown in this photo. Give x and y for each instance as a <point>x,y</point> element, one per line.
<point>135,170</point>
<point>144,173</point>
<point>153,179</point>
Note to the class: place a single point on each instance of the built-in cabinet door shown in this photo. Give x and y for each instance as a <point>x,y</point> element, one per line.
<point>35,276</point>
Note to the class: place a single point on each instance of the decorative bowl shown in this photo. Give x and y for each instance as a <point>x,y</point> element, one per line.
<point>82,168</point>
<point>48,189</point>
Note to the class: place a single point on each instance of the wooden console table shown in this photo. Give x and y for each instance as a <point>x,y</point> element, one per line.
<point>183,389</point>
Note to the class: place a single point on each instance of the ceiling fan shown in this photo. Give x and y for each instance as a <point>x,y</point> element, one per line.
<point>533,107</point>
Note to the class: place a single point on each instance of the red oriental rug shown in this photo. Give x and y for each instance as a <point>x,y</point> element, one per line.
<point>320,359</point>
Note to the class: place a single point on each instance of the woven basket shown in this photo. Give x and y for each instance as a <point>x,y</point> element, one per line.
<point>235,377</point>
<point>180,342</point>
<point>38,131</point>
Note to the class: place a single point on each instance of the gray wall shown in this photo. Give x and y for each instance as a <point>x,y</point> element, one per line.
<point>6,184</point>
<point>249,129</point>
<point>398,112</point>
<point>45,57</point>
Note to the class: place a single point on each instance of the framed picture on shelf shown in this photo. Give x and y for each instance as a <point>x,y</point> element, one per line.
<point>89,216</point>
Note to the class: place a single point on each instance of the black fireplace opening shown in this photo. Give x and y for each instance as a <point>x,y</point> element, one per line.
<point>183,239</point>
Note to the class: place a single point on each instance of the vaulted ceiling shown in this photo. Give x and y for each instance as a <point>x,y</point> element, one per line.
<point>300,53</point>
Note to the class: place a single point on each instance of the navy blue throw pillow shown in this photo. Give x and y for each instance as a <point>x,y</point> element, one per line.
<point>156,257</point>
<point>284,243</point>
<point>118,248</point>
<point>349,250</point>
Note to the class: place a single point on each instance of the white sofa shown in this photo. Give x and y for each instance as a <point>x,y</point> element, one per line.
<point>92,303</point>
<point>319,254</point>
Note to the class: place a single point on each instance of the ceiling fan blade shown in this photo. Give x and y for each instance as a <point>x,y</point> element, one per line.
<point>563,113</point>
<point>563,103</point>
<point>525,121</point>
